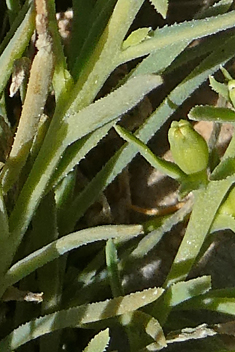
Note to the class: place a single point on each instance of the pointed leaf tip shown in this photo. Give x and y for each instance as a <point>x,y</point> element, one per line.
<point>160,6</point>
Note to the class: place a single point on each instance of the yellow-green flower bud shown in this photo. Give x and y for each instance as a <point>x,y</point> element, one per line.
<point>228,206</point>
<point>189,149</point>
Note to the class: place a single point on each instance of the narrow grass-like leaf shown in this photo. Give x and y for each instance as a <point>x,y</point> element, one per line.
<point>218,8</point>
<point>21,15</point>
<point>13,7</point>
<point>107,109</point>
<point>115,165</point>
<point>151,240</point>
<point>61,246</point>
<point>104,58</point>
<point>220,88</point>
<point>44,231</point>
<point>16,46</point>
<point>78,316</point>
<point>178,293</point>
<point>4,232</point>
<point>154,63</point>
<point>211,113</point>
<point>160,6</point>
<point>99,343</point>
<point>222,222</point>
<point>62,81</point>
<point>76,152</point>
<point>55,142</point>
<point>82,13</point>
<point>183,291</point>
<point>206,205</point>
<point>141,329</point>
<point>38,85</point>
<point>112,267</point>
<point>90,33</point>
<point>159,60</point>
<point>203,48</point>
<point>220,301</point>
<point>184,31</point>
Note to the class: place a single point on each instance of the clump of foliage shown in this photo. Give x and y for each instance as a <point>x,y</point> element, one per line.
<point>39,207</point>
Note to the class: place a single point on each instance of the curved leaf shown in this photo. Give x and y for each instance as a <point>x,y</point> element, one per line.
<point>211,113</point>
<point>160,6</point>
<point>61,246</point>
<point>99,342</point>
<point>78,316</point>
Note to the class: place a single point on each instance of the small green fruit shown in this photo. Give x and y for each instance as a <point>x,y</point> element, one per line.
<point>189,149</point>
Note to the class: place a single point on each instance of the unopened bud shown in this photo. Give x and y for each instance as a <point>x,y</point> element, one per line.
<point>188,147</point>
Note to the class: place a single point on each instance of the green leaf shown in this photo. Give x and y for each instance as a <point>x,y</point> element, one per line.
<point>4,232</point>
<point>178,32</point>
<point>182,291</point>
<point>112,267</point>
<point>90,19</point>
<point>115,165</point>
<point>17,45</point>
<point>136,37</point>
<point>221,301</point>
<point>109,108</point>
<point>206,205</point>
<point>73,127</point>
<point>211,113</point>
<point>225,168</point>
<point>99,343</point>
<point>222,222</point>
<point>178,293</point>
<point>76,152</point>
<point>65,244</point>
<point>216,9</point>
<point>150,240</point>
<point>78,316</point>
<point>142,329</point>
<point>220,88</point>
<point>160,6</point>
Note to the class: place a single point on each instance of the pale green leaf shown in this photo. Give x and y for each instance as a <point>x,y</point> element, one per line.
<point>136,37</point>
<point>212,113</point>
<point>78,316</point>
<point>218,8</point>
<point>73,127</point>
<point>76,152</point>
<point>4,231</point>
<point>222,222</point>
<point>160,6</point>
<point>109,108</point>
<point>178,32</point>
<point>178,293</point>
<point>220,88</point>
<point>206,205</point>
<point>142,329</point>
<point>115,165</point>
<point>112,268</point>
<point>149,241</point>
<point>99,342</point>
<point>16,46</point>
<point>182,291</point>
<point>61,246</point>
